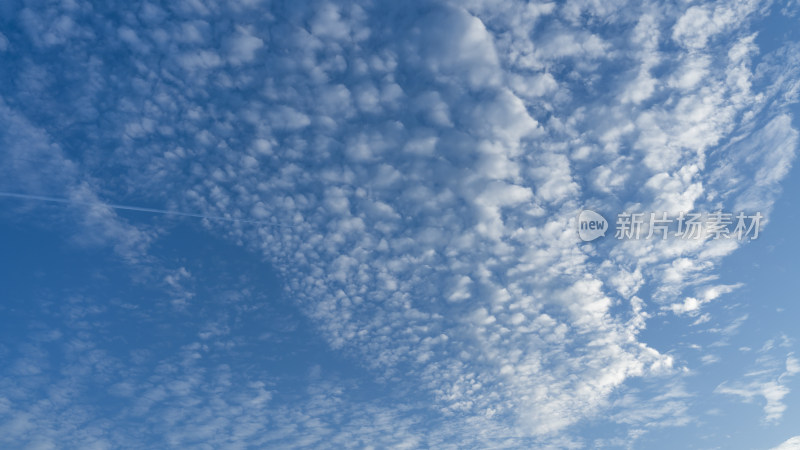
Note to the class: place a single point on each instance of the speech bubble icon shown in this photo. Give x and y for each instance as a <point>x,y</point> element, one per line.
<point>591,225</point>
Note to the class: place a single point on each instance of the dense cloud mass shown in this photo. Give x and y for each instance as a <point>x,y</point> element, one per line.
<point>414,172</point>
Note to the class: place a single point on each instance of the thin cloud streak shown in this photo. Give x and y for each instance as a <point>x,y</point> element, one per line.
<point>44,198</point>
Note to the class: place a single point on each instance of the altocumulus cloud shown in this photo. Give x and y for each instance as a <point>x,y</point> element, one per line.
<point>423,165</point>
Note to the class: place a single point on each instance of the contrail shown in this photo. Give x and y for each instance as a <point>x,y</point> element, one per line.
<point>134,208</point>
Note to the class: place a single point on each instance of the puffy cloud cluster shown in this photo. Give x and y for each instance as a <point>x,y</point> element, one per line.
<point>419,170</point>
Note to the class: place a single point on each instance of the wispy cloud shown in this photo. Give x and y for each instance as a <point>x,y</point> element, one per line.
<point>769,381</point>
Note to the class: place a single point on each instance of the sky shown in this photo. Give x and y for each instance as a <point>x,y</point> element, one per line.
<point>314,224</point>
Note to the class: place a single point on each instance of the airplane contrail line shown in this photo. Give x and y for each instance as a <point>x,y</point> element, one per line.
<point>44,198</point>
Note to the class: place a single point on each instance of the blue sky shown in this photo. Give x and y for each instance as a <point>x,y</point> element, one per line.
<point>257,224</point>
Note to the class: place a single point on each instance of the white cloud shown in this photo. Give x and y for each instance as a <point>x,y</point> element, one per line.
<point>770,381</point>
<point>456,44</point>
<point>242,46</point>
<point>772,392</point>
<point>792,443</point>
<point>424,179</point>
<point>699,24</point>
<point>33,164</point>
<point>692,305</point>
